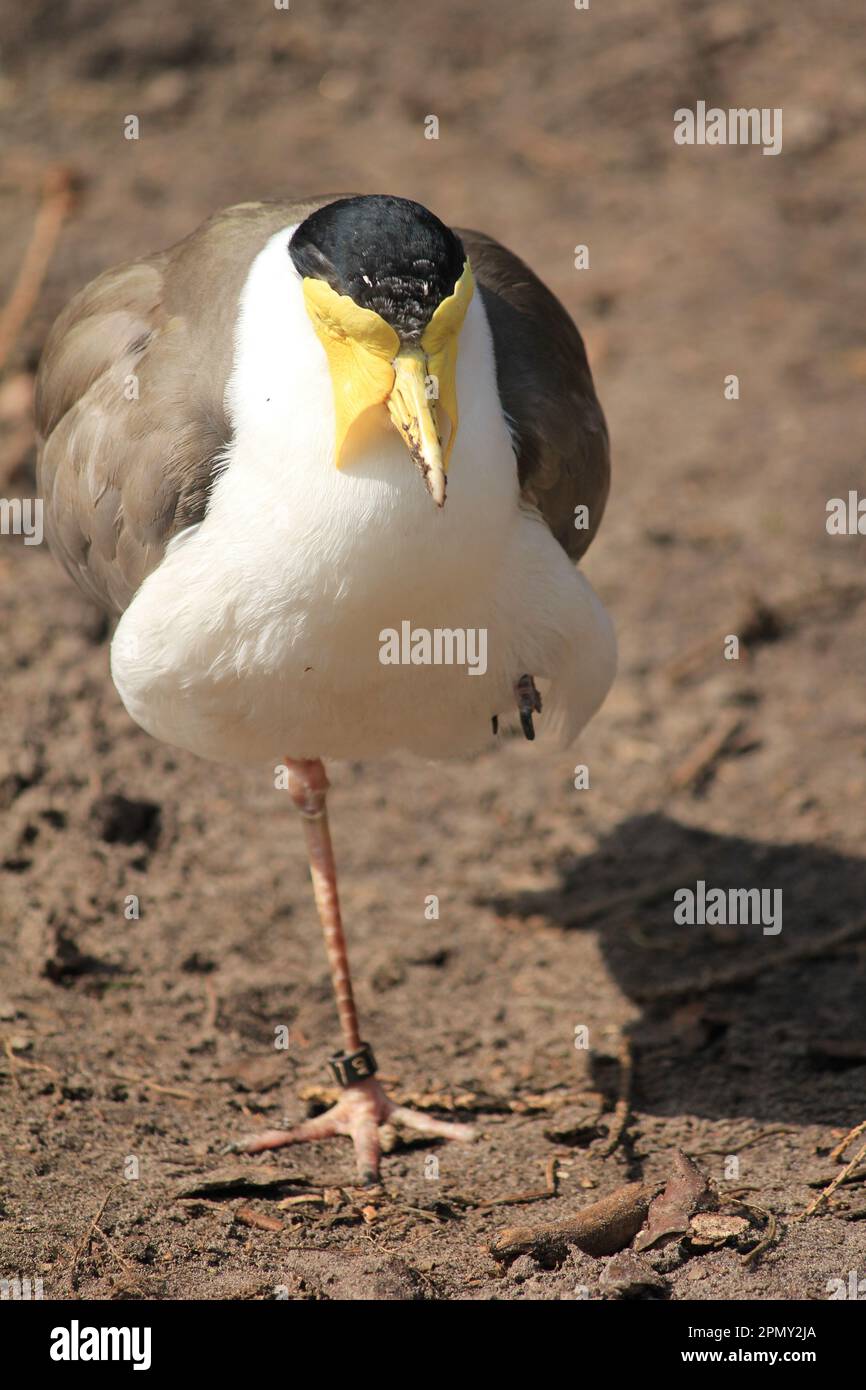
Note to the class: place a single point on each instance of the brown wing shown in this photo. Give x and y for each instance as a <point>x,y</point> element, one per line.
<point>545,385</point>
<point>129,399</point>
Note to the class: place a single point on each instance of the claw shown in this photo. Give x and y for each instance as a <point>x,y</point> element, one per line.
<point>359,1112</point>
<point>528,703</point>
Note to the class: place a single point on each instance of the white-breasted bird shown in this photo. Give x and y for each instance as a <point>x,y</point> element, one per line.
<point>304,453</point>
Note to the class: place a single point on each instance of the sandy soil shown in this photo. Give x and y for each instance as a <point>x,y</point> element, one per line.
<point>151,1039</point>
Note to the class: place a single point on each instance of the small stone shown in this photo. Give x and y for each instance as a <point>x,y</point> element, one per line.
<point>628,1275</point>
<point>712,1228</point>
<point>522,1269</point>
<point>76,1088</point>
<point>389,973</point>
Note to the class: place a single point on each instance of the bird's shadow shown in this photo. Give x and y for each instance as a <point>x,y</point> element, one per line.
<point>733,1022</point>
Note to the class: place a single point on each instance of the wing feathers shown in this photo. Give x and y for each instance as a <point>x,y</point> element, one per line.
<point>547,393</point>
<point>130,399</point>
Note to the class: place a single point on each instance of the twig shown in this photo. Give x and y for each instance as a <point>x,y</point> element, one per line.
<point>259,1220</point>
<point>54,206</point>
<point>732,1148</point>
<point>211,1012</point>
<point>739,974</point>
<point>601,1228</point>
<point>551,1174</point>
<point>25,1062</point>
<point>646,892</point>
<point>831,1187</point>
<point>153,1085</point>
<point>759,622</point>
<point>621,1114</point>
<point>474,1102</point>
<point>836,1154</point>
<point>768,1240</point>
<point>13,1063</point>
<point>732,1200</point>
<point>701,759</point>
<point>852,1180</point>
<point>538,1194</point>
<point>84,1244</point>
<point>124,1264</point>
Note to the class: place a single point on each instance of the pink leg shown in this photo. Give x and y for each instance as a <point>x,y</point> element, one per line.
<point>308,788</point>
<point>363,1107</point>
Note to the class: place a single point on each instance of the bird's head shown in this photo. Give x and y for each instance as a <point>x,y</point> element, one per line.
<point>387,286</point>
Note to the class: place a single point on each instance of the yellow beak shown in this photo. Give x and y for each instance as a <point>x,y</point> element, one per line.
<point>369,368</point>
<point>413,413</point>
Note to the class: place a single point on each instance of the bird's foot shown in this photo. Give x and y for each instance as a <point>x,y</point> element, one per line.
<point>359,1112</point>
<point>528,703</point>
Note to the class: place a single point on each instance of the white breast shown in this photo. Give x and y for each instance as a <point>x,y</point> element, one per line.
<point>259,635</point>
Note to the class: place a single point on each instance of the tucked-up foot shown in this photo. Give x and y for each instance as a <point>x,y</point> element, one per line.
<point>359,1112</point>
<point>528,703</point>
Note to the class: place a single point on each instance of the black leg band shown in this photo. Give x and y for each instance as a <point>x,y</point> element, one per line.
<point>348,1067</point>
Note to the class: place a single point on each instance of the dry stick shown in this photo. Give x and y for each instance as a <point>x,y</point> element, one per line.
<point>539,1194</point>
<point>753,618</point>
<point>768,1240</point>
<point>13,1063</point>
<point>746,624</point>
<point>16,1062</point>
<point>153,1085</point>
<point>211,1012</point>
<point>419,1212</point>
<point>855,1179</point>
<point>473,1101</point>
<point>831,1187</point>
<point>551,1174</point>
<point>836,1154</point>
<point>732,1200</point>
<point>601,1228</point>
<point>739,974</point>
<point>24,1062</point>
<point>645,892</point>
<point>124,1264</point>
<point>711,747</point>
<point>623,1105</point>
<point>55,204</point>
<point>259,1220</point>
<point>746,1143</point>
<point>91,1230</point>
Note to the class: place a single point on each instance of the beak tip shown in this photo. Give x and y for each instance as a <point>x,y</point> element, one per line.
<point>437,486</point>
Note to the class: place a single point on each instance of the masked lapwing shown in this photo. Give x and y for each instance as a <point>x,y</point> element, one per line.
<point>317,456</point>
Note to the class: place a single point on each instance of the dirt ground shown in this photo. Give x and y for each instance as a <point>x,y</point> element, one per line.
<point>136,1047</point>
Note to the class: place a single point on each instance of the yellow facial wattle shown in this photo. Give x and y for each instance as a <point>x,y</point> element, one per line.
<point>360,347</point>
<point>369,368</point>
<point>440,343</point>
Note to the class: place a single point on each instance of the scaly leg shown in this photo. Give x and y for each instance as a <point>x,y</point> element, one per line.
<point>364,1106</point>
